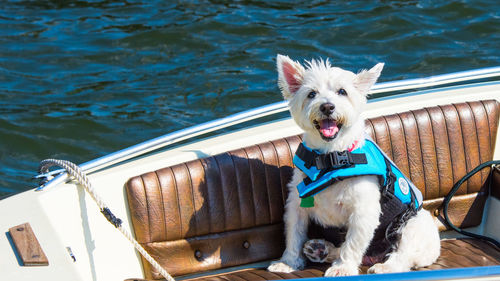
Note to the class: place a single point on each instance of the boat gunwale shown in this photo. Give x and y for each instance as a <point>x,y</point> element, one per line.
<point>60,176</point>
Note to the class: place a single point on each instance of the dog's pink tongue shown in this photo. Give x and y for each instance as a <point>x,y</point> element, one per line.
<point>328,128</point>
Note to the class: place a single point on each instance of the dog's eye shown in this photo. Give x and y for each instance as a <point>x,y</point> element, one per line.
<point>311,95</point>
<point>342,92</point>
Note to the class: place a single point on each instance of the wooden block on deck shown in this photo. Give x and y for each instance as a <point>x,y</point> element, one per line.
<point>28,248</point>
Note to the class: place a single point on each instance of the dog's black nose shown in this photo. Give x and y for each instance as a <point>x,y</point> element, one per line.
<point>327,108</point>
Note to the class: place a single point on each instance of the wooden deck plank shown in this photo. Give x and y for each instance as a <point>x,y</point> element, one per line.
<point>27,245</point>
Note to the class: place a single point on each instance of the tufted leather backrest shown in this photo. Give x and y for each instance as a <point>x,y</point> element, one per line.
<point>436,147</point>
<point>214,212</point>
<point>227,210</point>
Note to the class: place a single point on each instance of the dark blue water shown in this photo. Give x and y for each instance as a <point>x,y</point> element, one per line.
<point>81,79</point>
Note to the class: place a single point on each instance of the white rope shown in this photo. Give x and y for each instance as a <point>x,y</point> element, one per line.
<point>75,171</point>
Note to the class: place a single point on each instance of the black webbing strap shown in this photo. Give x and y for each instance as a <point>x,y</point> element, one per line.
<point>329,161</point>
<point>305,155</point>
<point>388,186</point>
<point>339,159</point>
<point>394,214</point>
<point>390,179</point>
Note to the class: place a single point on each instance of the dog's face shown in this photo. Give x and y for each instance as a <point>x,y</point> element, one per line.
<point>324,101</point>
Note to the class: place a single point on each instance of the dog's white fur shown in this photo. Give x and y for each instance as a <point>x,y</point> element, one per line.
<point>354,202</point>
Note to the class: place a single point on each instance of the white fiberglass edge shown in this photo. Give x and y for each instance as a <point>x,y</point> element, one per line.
<point>437,80</point>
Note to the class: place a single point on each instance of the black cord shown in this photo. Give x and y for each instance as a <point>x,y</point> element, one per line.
<point>452,192</point>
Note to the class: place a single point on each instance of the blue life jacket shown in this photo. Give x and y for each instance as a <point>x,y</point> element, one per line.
<point>400,198</point>
<point>322,170</point>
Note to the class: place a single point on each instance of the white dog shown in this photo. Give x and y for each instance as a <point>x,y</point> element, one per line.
<point>326,102</point>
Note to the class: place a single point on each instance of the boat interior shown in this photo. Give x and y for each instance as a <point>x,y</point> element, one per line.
<point>223,214</point>
<point>211,208</point>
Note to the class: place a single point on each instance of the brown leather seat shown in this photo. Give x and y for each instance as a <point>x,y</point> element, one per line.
<point>227,210</point>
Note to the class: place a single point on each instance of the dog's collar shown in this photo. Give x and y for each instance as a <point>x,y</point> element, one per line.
<point>353,146</point>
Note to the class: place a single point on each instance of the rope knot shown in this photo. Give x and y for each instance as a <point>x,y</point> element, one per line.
<point>117,222</point>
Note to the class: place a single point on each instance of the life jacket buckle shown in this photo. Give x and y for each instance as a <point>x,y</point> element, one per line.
<point>342,159</point>
<point>334,160</point>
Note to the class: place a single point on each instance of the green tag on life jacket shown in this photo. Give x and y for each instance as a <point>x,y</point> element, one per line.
<point>307,202</point>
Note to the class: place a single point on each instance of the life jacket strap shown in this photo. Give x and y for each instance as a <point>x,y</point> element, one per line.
<point>387,188</point>
<point>339,159</point>
<point>390,179</point>
<point>329,161</point>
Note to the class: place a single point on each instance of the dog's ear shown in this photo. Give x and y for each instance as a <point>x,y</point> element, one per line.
<point>367,78</point>
<point>290,75</point>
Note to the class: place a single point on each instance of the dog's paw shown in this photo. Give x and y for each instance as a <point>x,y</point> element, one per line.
<point>341,269</point>
<point>384,268</point>
<point>319,250</point>
<point>287,263</point>
<point>280,266</point>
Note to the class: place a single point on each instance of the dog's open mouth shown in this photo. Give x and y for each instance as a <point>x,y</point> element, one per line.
<point>328,128</point>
